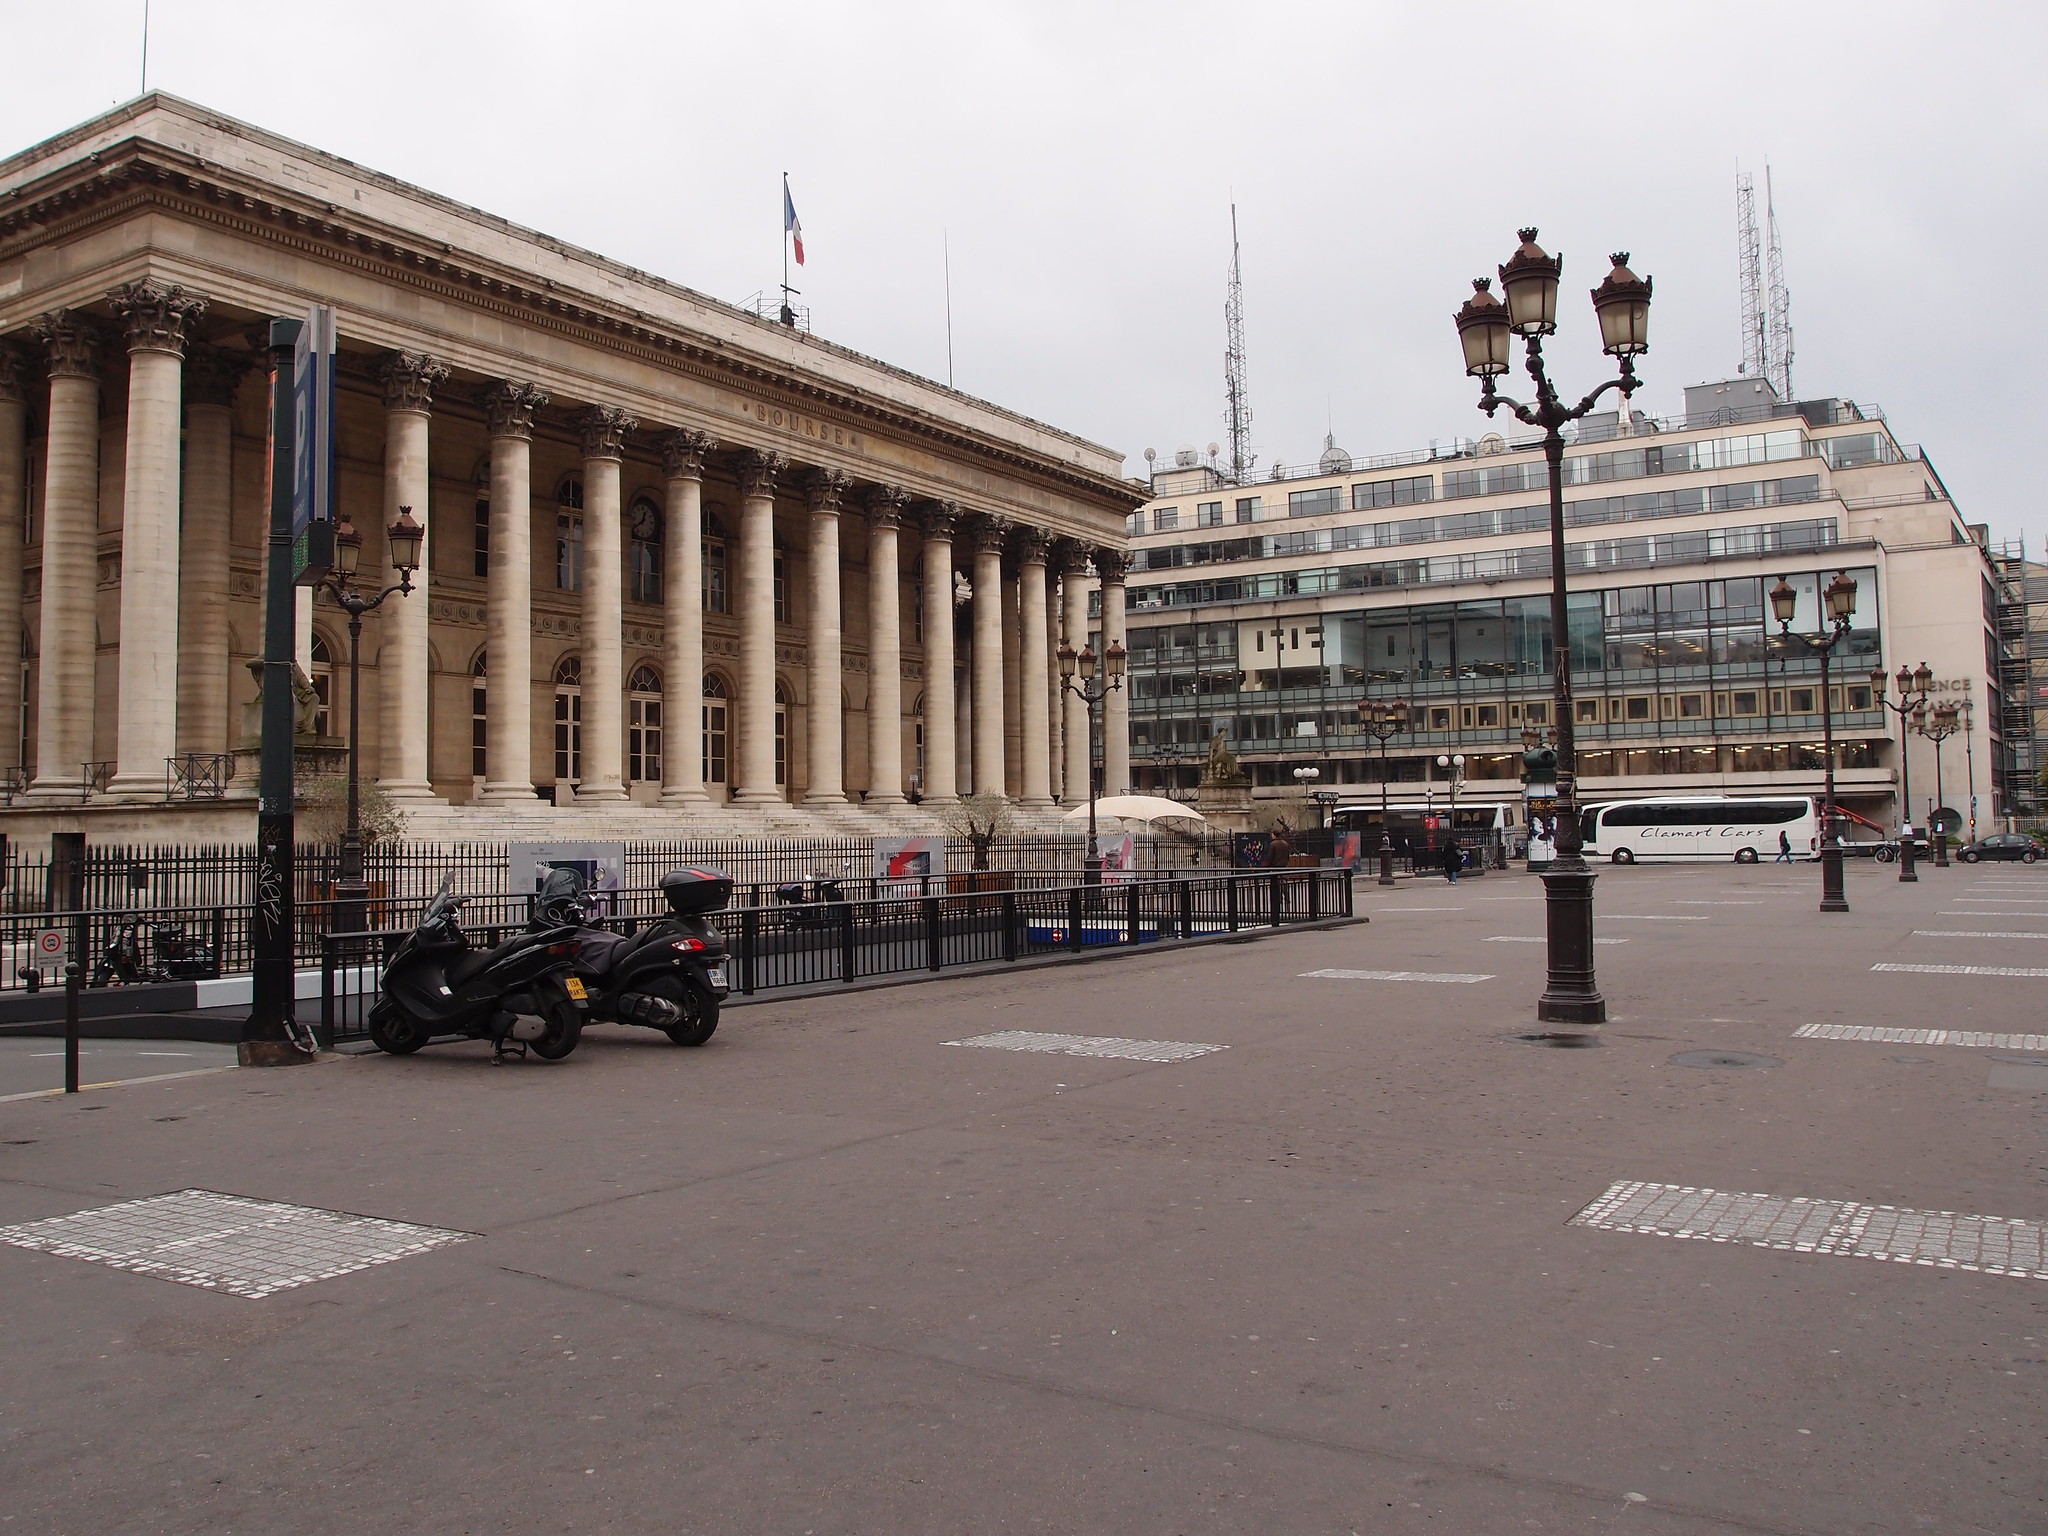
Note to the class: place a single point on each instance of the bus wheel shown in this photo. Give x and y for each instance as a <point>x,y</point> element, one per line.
<point>1623,856</point>
<point>1745,855</point>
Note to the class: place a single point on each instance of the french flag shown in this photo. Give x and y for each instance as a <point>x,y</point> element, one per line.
<point>790,224</point>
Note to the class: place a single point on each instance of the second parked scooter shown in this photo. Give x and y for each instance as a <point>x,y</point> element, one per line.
<point>671,975</point>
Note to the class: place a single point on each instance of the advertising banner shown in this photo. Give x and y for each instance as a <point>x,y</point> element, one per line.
<point>313,447</point>
<point>601,865</point>
<point>909,858</point>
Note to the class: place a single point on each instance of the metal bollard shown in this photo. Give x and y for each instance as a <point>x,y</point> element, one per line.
<point>71,974</point>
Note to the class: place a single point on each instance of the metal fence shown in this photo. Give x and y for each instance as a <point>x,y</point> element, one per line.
<point>920,927</point>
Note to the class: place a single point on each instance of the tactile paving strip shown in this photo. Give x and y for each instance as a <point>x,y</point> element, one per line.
<point>1091,1045</point>
<point>227,1243</point>
<point>1991,1245</point>
<point>1885,1034</point>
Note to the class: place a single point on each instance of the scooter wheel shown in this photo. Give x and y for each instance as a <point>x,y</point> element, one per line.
<point>392,1032</point>
<point>699,1021</point>
<point>565,1028</point>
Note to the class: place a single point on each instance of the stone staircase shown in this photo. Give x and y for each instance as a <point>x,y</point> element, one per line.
<point>436,821</point>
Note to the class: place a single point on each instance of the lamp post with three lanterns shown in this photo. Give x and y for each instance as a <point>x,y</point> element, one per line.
<point>1486,328</point>
<point>1942,722</point>
<point>1381,721</point>
<point>351,895</point>
<point>1091,691</point>
<point>1839,608</point>
<point>1911,710</point>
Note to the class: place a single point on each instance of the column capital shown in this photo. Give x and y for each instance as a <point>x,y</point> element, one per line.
<point>603,430</point>
<point>940,519</point>
<point>409,380</point>
<point>1068,558</point>
<point>509,407</point>
<point>682,453</point>
<point>883,505</point>
<point>758,468</point>
<point>73,343</point>
<point>990,533</point>
<point>1110,565</point>
<point>1032,544</point>
<point>13,371</point>
<point>824,489</point>
<point>213,374</point>
<point>156,314</point>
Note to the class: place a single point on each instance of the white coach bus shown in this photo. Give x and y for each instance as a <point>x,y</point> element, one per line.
<point>1697,827</point>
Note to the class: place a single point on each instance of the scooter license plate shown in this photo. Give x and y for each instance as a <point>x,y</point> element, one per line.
<point>577,989</point>
<point>716,973</point>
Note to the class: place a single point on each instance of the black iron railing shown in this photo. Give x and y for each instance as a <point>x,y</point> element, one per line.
<point>900,933</point>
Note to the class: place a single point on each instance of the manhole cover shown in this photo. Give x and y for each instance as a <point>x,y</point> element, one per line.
<point>1558,1039</point>
<point>1724,1059</point>
<point>2016,1059</point>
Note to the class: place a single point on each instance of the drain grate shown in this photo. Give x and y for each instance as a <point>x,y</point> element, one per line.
<point>1726,1060</point>
<point>227,1243</point>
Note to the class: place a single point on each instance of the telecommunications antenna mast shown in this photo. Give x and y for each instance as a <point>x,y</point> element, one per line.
<point>1237,403</point>
<point>1750,279</point>
<point>1777,302</point>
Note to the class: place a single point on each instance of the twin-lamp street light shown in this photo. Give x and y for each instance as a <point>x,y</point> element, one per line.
<point>1912,712</point>
<point>1942,722</point>
<point>1839,609</point>
<point>1091,690</point>
<point>1487,328</point>
<point>403,538</point>
<point>1381,720</point>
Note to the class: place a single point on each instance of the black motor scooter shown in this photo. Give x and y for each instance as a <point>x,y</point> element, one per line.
<point>125,961</point>
<point>671,975</point>
<point>811,904</point>
<point>518,996</point>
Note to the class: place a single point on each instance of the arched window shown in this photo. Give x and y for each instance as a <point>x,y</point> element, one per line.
<point>643,556</point>
<point>714,563</point>
<point>323,689</point>
<point>477,718</point>
<point>717,729</point>
<point>781,733</point>
<point>568,720</point>
<point>781,591</point>
<point>917,733</point>
<point>643,726</point>
<point>569,534</point>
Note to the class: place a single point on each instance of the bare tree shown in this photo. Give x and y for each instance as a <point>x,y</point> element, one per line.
<point>981,819</point>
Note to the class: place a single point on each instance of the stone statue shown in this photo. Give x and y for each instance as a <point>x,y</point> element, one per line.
<point>1222,770</point>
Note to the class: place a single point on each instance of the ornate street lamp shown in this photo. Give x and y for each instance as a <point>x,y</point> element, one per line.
<point>1381,721</point>
<point>403,538</point>
<point>1911,709</point>
<point>1091,692</point>
<point>1944,722</point>
<point>1453,763</point>
<point>1486,328</point>
<point>1839,605</point>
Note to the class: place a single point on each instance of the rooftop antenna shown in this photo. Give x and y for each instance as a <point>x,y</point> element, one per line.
<point>1750,279</point>
<point>1777,301</point>
<point>1237,402</point>
<point>145,47</point>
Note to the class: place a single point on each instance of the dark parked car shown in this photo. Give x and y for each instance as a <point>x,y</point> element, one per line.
<point>2005,845</point>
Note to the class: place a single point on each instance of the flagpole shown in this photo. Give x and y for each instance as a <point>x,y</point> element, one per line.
<point>785,239</point>
<point>946,246</point>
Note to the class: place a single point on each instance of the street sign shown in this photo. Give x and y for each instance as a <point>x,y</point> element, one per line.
<point>52,947</point>
<point>313,447</point>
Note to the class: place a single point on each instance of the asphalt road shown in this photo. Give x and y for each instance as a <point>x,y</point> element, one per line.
<point>833,1275</point>
<point>31,1064</point>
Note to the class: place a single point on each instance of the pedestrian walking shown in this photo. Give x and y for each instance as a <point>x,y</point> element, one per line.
<point>1454,860</point>
<point>1784,849</point>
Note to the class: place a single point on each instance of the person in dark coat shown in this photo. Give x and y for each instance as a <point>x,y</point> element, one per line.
<point>1454,860</point>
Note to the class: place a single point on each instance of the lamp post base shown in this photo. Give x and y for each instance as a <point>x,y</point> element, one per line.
<point>1907,874</point>
<point>1832,897</point>
<point>1386,862</point>
<point>1571,994</point>
<point>1091,869</point>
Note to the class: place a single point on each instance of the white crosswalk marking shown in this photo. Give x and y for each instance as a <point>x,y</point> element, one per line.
<point>1991,1245</point>
<point>1525,938</point>
<point>1340,975</point>
<point>1963,933</point>
<point>1090,1045</point>
<point>1885,1034</point>
<point>1960,970</point>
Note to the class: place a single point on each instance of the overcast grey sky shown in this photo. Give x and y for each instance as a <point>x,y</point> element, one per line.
<point>1082,159</point>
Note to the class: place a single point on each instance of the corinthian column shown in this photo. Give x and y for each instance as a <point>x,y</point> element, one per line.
<point>1055,728</point>
<point>941,775</point>
<point>682,597</point>
<point>1116,709</point>
<point>64,668</point>
<point>508,595</point>
<point>1033,720</point>
<point>156,315</point>
<point>402,661</point>
<point>205,526</point>
<point>823,489</point>
<point>758,470</point>
<point>13,509</point>
<point>989,536</point>
<point>1075,725</point>
<point>885,646</point>
<point>605,429</point>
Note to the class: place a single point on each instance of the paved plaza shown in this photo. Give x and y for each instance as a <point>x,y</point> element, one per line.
<point>1249,1238</point>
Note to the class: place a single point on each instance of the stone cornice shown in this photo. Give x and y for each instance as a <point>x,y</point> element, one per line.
<point>137,173</point>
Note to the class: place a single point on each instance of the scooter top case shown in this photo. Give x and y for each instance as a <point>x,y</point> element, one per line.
<point>693,892</point>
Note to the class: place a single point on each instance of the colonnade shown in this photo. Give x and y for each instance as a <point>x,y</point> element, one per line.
<point>1023,737</point>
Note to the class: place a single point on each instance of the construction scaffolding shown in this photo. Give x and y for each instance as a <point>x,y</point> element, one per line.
<point>2022,649</point>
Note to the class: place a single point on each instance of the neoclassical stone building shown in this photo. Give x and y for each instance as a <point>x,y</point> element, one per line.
<point>676,555</point>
